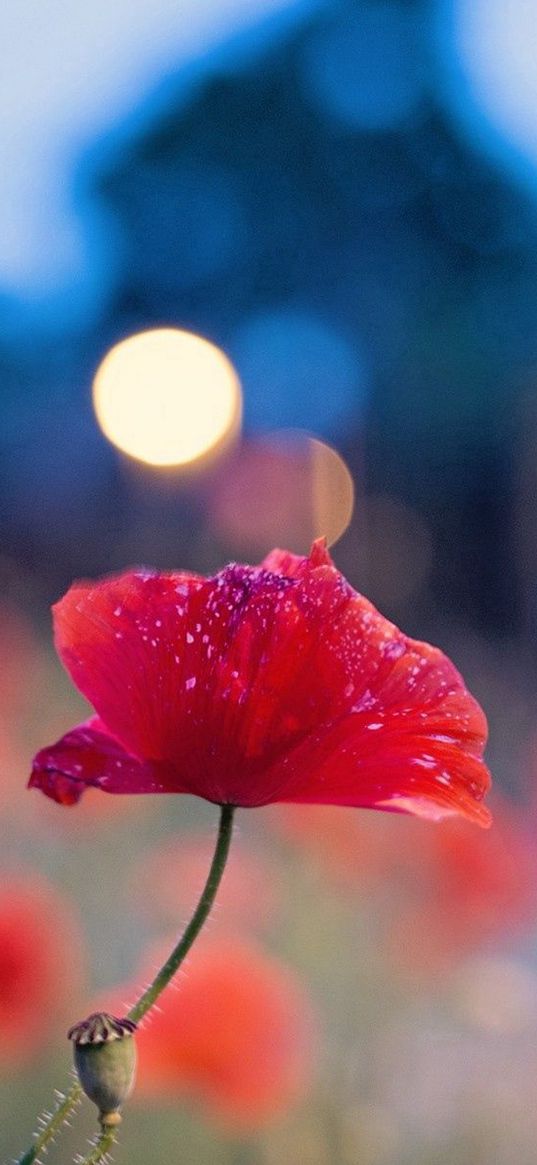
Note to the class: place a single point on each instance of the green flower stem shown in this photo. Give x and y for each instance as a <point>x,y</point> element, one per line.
<point>53,1125</point>
<point>161,980</point>
<point>203,908</point>
<point>105,1141</point>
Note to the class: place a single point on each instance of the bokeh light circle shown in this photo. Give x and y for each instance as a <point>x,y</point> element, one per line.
<point>487,53</point>
<point>294,364</point>
<point>284,489</point>
<point>167,397</point>
<point>365,70</point>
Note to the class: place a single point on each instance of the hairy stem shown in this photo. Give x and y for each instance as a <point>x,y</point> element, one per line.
<point>167,971</point>
<point>54,1123</point>
<point>105,1141</point>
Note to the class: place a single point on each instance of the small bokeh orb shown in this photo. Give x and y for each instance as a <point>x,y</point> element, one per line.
<point>284,489</point>
<point>296,363</point>
<point>364,70</point>
<point>167,397</point>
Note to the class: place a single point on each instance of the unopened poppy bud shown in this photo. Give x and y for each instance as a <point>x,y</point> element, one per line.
<point>105,1059</point>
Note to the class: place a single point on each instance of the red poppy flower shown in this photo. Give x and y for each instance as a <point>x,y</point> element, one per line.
<point>261,684</point>
<point>238,1032</point>
<point>40,968</point>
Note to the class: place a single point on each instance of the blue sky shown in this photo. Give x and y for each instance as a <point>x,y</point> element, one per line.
<point>71,72</point>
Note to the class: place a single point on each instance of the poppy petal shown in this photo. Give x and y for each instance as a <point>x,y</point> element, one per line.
<point>293,565</point>
<point>272,683</point>
<point>413,776</point>
<point>89,757</point>
<point>120,640</point>
<point>413,737</point>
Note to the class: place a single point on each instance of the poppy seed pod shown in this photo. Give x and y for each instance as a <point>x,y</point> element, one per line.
<point>105,1060</point>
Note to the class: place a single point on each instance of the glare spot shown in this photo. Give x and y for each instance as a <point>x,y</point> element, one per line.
<point>167,397</point>
<point>417,807</point>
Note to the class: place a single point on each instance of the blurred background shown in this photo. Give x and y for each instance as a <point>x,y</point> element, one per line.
<point>341,197</point>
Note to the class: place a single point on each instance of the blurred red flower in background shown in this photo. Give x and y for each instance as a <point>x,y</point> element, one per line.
<point>40,965</point>
<point>348,847</point>
<point>237,1031</point>
<point>461,892</point>
<point>171,878</point>
<point>436,894</point>
<point>261,684</point>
